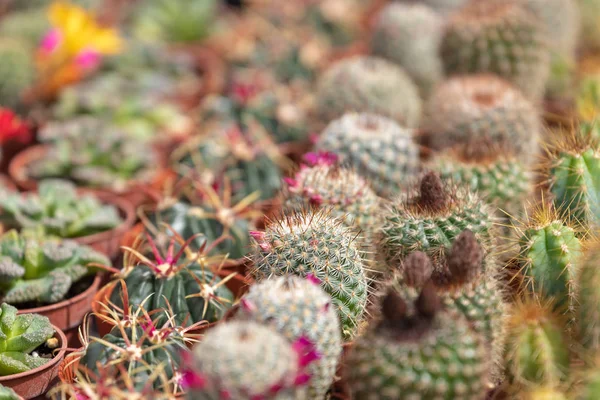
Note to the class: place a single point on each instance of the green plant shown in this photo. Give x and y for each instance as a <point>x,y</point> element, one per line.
<point>296,308</point>
<point>368,84</point>
<point>498,37</point>
<point>479,110</point>
<point>42,270</point>
<point>17,71</point>
<point>59,210</point>
<point>428,353</point>
<point>316,243</point>
<point>93,152</point>
<point>20,335</point>
<point>29,26</point>
<point>590,12</point>
<point>409,35</point>
<point>587,300</point>
<point>8,394</point>
<point>377,147</point>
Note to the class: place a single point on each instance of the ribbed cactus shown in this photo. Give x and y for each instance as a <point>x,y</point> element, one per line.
<point>481,109</point>
<point>409,35</point>
<point>378,148</point>
<point>587,306</point>
<point>17,71</point>
<point>431,219</point>
<point>368,84</point>
<point>536,350</point>
<point>245,360</point>
<point>41,270</point>
<point>427,353</point>
<point>20,335</point>
<point>499,37</point>
<point>296,308</point>
<point>315,243</point>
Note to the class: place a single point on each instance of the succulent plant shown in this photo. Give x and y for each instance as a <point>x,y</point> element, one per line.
<point>59,210</point>
<point>418,350</point>
<point>29,26</point>
<point>316,243</point>
<point>8,394</point>
<point>481,109</point>
<point>498,37</point>
<point>225,364</point>
<point>20,336</point>
<point>368,84</point>
<point>587,302</point>
<point>377,147</point>
<point>42,270</point>
<point>93,152</point>
<point>297,308</point>
<point>17,71</point>
<point>410,35</point>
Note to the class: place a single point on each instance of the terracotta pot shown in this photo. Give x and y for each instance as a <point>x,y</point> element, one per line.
<point>5,182</point>
<point>38,381</point>
<point>238,286</point>
<point>68,314</point>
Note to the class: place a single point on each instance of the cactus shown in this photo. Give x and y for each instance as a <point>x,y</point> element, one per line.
<point>20,335</point>
<point>41,270</point>
<point>481,109</point>
<point>425,353</point>
<point>368,84</point>
<point>59,210</point>
<point>590,12</point>
<point>541,393</point>
<point>431,219</point>
<point>536,350</point>
<point>314,242</point>
<point>409,35</point>
<point>378,148</point>
<point>29,26</point>
<point>587,380</point>
<point>8,394</point>
<point>17,71</point>
<point>91,152</point>
<point>587,305</point>
<point>297,308</point>
<point>245,360</point>
<point>498,37</point>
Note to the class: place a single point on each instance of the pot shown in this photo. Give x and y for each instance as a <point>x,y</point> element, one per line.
<point>5,182</point>
<point>37,381</point>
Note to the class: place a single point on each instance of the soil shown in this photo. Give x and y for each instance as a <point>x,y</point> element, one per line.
<point>44,351</point>
<point>77,288</point>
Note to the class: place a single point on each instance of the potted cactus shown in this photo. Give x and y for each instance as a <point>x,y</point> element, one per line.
<point>30,350</point>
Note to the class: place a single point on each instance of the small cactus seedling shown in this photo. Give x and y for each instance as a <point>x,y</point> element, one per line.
<point>587,301</point>
<point>315,243</point>
<point>428,353</point>
<point>478,110</point>
<point>297,308</point>
<point>17,71</point>
<point>41,270</point>
<point>368,84</point>
<point>498,37</point>
<point>20,335</point>
<point>378,148</point>
<point>245,360</point>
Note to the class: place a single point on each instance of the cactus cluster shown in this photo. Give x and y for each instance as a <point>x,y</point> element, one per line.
<point>17,71</point>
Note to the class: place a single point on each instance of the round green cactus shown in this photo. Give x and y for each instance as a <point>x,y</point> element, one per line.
<point>427,354</point>
<point>315,243</point>
<point>587,302</point>
<point>498,37</point>
<point>481,109</point>
<point>297,308</point>
<point>409,35</point>
<point>377,147</point>
<point>17,71</point>
<point>368,84</point>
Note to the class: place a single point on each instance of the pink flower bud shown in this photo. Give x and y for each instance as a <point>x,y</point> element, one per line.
<point>88,59</point>
<point>51,41</point>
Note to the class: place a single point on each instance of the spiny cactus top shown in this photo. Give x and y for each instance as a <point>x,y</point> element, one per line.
<point>92,152</point>
<point>410,35</point>
<point>297,308</point>
<point>245,360</point>
<point>37,270</point>
<point>418,351</point>
<point>430,219</point>
<point>368,84</point>
<point>315,243</point>
<point>378,148</point>
<point>59,210</point>
<point>498,37</point>
<point>20,335</point>
<point>481,109</point>
<point>17,71</point>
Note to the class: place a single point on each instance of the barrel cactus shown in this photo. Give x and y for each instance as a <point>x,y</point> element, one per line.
<point>378,148</point>
<point>368,84</point>
<point>316,243</point>
<point>498,37</point>
<point>296,308</point>
<point>17,71</point>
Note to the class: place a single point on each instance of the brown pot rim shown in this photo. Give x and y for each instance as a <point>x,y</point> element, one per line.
<point>55,360</point>
<point>67,302</point>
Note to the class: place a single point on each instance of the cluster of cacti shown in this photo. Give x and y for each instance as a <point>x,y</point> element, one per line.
<point>42,270</point>
<point>17,71</point>
<point>59,210</point>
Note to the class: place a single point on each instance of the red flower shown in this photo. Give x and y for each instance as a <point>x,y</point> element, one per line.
<point>13,128</point>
